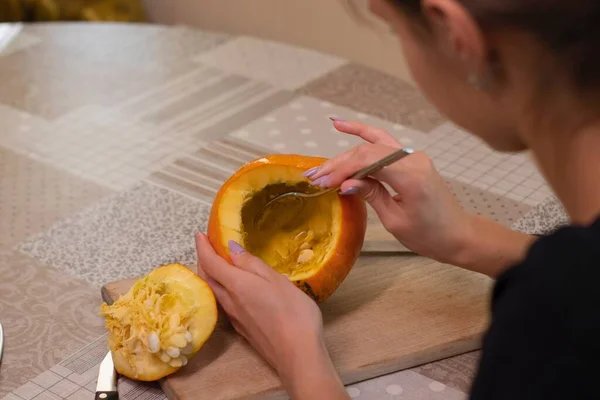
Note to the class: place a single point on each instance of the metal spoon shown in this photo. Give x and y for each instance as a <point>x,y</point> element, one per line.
<point>301,197</point>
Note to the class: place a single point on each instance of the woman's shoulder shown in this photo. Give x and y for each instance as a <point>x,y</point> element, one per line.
<point>556,286</point>
<point>543,338</point>
<point>571,252</point>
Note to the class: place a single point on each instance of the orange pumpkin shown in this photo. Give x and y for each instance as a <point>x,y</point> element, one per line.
<point>314,243</point>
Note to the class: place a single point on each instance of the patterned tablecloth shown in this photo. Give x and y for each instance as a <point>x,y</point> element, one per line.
<point>113,141</point>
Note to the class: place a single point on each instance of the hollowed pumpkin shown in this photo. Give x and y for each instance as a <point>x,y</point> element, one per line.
<point>160,323</point>
<point>318,243</point>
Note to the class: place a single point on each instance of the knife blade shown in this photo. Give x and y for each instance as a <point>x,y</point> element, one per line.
<point>106,388</point>
<point>1,342</point>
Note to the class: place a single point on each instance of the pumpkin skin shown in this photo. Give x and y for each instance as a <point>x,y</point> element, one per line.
<point>172,302</point>
<point>342,240</point>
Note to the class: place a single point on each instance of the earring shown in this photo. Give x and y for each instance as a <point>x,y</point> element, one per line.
<point>478,82</point>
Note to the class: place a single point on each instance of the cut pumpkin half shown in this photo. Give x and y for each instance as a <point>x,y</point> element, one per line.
<point>160,323</point>
<point>315,243</point>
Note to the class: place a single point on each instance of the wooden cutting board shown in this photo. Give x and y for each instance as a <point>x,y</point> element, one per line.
<point>391,313</point>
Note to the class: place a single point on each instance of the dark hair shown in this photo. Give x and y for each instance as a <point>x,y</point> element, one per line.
<point>570,29</point>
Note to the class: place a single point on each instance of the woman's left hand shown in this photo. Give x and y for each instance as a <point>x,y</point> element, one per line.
<point>280,321</point>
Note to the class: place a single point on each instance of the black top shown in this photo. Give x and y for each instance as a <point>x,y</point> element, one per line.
<point>544,337</point>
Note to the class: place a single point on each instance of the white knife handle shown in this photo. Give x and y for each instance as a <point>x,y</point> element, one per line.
<point>107,396</point>
<point>1,342</point>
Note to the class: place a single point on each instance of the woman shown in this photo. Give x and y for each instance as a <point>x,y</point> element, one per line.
<point>520,74</point>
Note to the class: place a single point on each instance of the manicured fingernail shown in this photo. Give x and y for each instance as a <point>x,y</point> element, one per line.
<point>310,172</point>
<point>235,247</point>
<point>350,190</point>
<point>336,119</point>
<point>322,181</point>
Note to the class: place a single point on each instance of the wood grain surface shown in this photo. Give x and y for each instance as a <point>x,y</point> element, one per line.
<point>391,313</point>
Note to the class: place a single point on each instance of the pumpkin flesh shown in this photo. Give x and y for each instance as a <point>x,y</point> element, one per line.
<point>310,230</point>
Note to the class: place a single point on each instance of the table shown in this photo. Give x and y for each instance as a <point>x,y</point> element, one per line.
<point>115,138</point>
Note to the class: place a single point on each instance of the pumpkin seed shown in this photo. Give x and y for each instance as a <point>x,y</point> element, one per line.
<point>173,352</point>
<point>178,340</point>
<point>176,362</point>
<point>305,255</point>
<point>153,342</point>
<point>301,236</point>
<point>164,357</point>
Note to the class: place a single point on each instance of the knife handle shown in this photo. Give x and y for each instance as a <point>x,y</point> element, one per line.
<point>107,396</point>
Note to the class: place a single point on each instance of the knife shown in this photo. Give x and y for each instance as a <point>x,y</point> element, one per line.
<point>1,342</point>
<point>106,388</point>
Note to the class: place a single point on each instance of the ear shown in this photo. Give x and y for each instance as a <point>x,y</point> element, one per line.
<point>458,32</point>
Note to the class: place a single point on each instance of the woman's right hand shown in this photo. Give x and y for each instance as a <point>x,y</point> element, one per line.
<point>422,213</point>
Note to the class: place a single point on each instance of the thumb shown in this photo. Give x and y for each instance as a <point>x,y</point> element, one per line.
<point>248,262</point>
<point>374,193</point>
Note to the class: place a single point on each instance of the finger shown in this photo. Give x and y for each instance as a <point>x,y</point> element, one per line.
<point>218,290</point>
<point>238,327</point>
<point>222,296</point>
<point>337,170</point>
<point>220,293</point>
<point>246,261</point>
<point>200,272</point>
<point>406,175</point>
<point>320,174</point>
<point>375,194</point>
<point>213,265</point>
<point>317,173</point>
<point>366,132</point>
